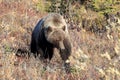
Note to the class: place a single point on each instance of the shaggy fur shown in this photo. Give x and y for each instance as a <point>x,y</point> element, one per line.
<point>51,32</point>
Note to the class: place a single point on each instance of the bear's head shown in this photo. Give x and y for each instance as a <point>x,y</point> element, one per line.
<point>55,30</point>
<point>55,37</point>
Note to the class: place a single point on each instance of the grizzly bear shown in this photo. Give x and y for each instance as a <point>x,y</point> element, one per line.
<point>51,32</point>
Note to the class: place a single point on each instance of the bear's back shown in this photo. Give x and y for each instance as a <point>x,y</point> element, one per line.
<point>37,29</point>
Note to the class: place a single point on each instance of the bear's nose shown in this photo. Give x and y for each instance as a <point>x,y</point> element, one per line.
<point>57,40</point>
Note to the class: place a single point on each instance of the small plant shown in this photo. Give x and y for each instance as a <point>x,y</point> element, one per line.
<point>104,6</point>
<point>7,48</point>
<point>43,6</point>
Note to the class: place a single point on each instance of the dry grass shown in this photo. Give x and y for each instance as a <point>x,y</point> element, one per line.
<point>94,57</point>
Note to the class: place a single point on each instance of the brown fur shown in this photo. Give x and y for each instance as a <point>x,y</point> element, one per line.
<point>51,32</point>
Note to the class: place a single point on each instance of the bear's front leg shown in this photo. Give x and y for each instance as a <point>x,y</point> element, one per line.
<point>65,58</point>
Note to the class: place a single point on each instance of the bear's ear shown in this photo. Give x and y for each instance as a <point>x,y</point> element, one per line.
<point>63,28</point>
<point>49,29</point>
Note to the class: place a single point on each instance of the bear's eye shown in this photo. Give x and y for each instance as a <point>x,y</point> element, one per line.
<point>49,29</point>
<point>63,28</point>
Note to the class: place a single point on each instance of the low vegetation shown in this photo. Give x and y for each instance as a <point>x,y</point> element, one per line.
<point>94,28</point>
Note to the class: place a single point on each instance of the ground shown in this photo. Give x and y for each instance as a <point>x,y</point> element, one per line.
<point>94,56</point>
